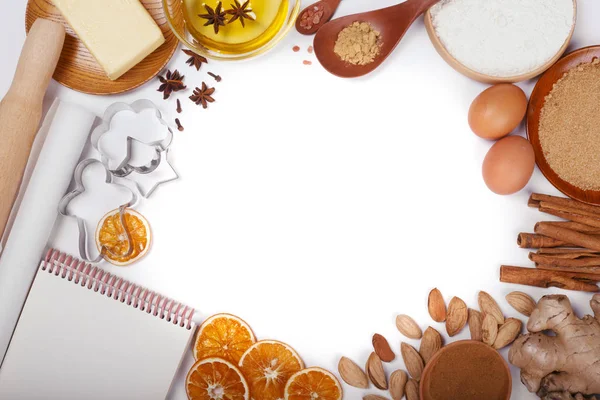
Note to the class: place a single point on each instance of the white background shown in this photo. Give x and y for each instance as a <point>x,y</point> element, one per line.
<point>318,208</point>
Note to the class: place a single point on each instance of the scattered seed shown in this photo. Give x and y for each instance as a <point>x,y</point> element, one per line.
<point>296,49</point>
<point>180,127</point>
<point>306,62</point>
<point>310,49</point>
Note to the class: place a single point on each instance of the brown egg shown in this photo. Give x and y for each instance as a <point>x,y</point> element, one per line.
<point>508,165</point>
<point>497,111</point>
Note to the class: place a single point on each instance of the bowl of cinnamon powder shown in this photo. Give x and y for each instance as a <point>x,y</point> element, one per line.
<point>563,124</point>
<point>466,370</point>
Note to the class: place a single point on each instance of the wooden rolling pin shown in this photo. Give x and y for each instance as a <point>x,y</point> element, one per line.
<point>21,108</point>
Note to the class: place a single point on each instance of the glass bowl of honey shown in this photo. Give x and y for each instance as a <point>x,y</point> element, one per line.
<point>231,29</point>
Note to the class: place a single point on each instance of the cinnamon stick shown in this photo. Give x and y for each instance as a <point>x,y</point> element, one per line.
<point>569,253</point>
<point>576,226</point>
<point>565,262</point>
<point>534,241</point>
<point>562,268</point>
<point>568,235</point>
<point>583,282</point>
<point>585,209</point>
<point>582,219</point>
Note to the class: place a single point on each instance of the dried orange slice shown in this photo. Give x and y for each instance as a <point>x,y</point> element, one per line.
<point>216,379</point>
<point>111,235</point>
<point>313,383</point>
<point>267,366</point>
<point>225,336</point>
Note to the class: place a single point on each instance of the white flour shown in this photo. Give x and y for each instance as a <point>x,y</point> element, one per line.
<point>503,38</point>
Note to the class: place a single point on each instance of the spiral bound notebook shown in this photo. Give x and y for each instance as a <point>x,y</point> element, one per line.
<point>86,334</point>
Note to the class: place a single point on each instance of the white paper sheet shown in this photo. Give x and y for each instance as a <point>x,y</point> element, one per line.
<point>68,128</point>
<point>74,343</point>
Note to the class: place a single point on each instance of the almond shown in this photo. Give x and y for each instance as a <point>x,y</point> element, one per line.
<point>522,302</point>
<point>408,327</point>
<point>508,333</point>
<point>374,397</point>
<point>412,390</point>
<point>382,348</point>
<point>352,374</point>
<point>475,322</point>
<point>437,306</point>
<point>488,305</point>
<point>489,329</point>
<point>398,381</point>
<point>376,372</point>
<point>413,361</point>
<point>430,344</point>
<point>457,316</point>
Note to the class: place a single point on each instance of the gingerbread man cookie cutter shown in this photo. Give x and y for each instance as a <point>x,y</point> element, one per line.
<point>63,209</point>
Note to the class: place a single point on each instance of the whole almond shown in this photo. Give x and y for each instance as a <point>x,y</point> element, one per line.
<point>457,316</point>
<point>412,390</point>
<point>522,302</point>
<point>508,333</point>
<point>382,348</point>
<point>398,381</point>
<point>352,374</point>
<point>436,306</point>
<point>412,360</point>
<point>475,322</point>
<point>374,397</point>
<point>376,372</point>
<point>408,327</point>
<point>430,344</point>
<point>488,305</point>
<point>489,329</point>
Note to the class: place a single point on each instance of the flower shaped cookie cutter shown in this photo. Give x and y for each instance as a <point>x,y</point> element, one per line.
<point>63,209</point>
<point>124,169</point>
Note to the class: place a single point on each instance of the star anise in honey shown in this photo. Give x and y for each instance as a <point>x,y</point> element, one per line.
<point>173,82</point>
<point>216,17</point>
<point>241,12</point>
<point>203,95</point>
<point>195,60</point>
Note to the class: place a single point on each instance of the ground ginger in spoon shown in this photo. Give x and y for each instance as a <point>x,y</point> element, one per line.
<point>358,44</point>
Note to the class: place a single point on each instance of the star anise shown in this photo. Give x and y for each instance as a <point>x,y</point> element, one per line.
<point>203,96</point>
<point>195,60</point>
<point>215,17</point>
<point>172,83</point>
<point>240,12</point>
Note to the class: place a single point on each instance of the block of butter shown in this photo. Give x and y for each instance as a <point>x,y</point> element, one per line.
<point>119,33</point>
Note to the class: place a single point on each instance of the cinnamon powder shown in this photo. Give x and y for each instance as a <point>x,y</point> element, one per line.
<point>467,372</point>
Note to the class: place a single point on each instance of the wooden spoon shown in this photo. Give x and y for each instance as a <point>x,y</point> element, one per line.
<point>326,7</point>
<point>391,22</point>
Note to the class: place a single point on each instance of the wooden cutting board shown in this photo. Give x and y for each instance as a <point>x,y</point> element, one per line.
<point>77,68</point>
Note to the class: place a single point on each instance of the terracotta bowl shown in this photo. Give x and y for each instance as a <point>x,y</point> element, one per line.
<point>536,103</point>
<point>454,63</point>
<point>430,370</point>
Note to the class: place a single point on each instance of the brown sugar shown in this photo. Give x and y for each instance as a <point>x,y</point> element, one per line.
<point>569,128</point>
<point>468,371</point>
<point>358,44</point>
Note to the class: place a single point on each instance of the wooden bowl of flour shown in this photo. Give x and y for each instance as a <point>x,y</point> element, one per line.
<point>470,73</point>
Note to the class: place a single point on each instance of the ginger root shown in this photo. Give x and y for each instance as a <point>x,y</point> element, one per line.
<point>564,366</point>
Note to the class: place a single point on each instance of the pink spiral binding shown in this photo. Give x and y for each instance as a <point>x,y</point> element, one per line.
<point>111,286</point>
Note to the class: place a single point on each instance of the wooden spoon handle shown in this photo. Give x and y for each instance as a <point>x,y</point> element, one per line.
<point>21,108</point>
<point>418,7</point>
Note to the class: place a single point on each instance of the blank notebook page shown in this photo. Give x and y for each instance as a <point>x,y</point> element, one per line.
<point>73,342</point>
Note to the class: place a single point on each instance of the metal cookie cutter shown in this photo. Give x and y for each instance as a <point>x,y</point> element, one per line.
<point>83,233</point>
<point>160,146</point>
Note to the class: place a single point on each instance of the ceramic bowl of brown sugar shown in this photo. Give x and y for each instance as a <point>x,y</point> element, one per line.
<point>563,124</point>
<point>466,370</point>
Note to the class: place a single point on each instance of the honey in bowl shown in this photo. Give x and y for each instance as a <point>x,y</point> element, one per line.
<point>265,19</point>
